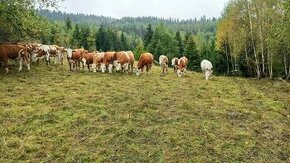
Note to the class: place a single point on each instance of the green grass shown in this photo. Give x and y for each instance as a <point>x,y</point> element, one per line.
<point>53,115</point>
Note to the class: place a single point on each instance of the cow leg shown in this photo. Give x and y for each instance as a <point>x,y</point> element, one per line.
<point>47,58</point>
<point>110,68</point>
<point>5,64</point>
<point>20,63</point>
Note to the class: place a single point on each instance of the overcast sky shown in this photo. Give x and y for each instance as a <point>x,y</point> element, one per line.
<point>183,9</point>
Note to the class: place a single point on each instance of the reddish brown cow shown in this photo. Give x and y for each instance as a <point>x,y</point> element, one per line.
<point>88,58</point>
<point>108,60</point>
<point>75,58</point>
<point>122,61</point>
<point>12,51</point>
<point>98,59</point>
<point>182,65</point>
<point>146,59</point>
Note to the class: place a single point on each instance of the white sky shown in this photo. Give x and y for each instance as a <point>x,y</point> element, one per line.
<point>183,9</point>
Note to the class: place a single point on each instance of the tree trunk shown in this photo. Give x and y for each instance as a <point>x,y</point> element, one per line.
<point>247,60</point>
<point>270,64</point>
<point>285,66</point>
<point>227,55</point>
<point>258,71</point>
<point>261,37</point>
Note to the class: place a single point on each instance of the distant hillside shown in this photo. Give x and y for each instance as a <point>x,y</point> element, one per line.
<point>135,25</point>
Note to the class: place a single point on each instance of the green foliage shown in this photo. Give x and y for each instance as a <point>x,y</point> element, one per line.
<point>148,36</point>
<point>163,43</point>
<point>180,44</point>
<point>256,37</point>
<point>19,21</point>
<point>192,54</point>
<point>76,37</point>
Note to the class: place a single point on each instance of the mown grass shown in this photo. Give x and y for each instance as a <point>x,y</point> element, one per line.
<point>53,115</point>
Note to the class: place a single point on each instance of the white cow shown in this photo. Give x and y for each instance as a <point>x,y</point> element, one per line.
<point>206,68</point>
<point>163,62</point>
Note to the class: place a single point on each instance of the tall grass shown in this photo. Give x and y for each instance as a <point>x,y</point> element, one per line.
<point>51,114</point>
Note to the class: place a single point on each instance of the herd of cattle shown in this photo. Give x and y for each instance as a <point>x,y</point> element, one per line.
<point>99,61</point>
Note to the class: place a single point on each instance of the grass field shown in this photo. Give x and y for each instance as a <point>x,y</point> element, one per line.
<point>53,115</point>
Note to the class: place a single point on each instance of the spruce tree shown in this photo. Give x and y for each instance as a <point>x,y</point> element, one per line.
<point>192,54</point>
<point>148,36</point>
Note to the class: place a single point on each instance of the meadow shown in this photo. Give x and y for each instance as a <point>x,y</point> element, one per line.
<point>51,114</point>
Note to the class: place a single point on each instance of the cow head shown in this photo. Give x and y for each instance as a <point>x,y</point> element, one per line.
<point>34,57</point>
<point>136,71</point>
<point>179,73</point>
<point>208,73</point>
<point>117,65</point>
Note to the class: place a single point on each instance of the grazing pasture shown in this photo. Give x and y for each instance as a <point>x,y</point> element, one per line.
<point>51,114</point>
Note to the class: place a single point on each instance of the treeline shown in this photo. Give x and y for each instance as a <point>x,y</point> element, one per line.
<point>134,25</point>
<point>254,38</point>
<point>172,37</point>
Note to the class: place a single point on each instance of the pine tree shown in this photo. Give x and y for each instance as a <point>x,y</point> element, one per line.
<point>68,24</point>
<point>192,54</point>
<point>124,42</point>
<point>76,37</point>
<point>180,44</point>
<point>103,42</point>
<point>148,36</point>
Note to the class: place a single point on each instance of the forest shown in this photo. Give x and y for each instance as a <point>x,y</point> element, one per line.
<point>250,39</point>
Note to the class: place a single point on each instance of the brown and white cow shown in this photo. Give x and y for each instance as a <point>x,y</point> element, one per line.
<point>174,63</point>
<point>122,61</point>
<point>98,59</point>
<point>132,60</point>
<point>74,58</point>
<point>13,51</point>
<point>146,59</point>
<point>163,62</point>
<point>182,65</point>
<point>108,60</point>
<point>88,58</point>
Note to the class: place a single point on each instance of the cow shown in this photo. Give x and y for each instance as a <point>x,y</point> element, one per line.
<point>132,60</point>
<point>74,58</point>
<point>97,60</point>
<point>61,51</point>
<point>40,54</point>
<point>182,65</point>
<point>206,68</point>
<point>88,58</point>
<point>146,59</point>
<point>163,62</point>
<point>108,60</point>
<point>12,51</point>
<point>54,52</point>
<point>174,63</point>
<point>122,61</point>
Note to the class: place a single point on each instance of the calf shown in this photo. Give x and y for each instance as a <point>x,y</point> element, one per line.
<point>163,62</point>
<point>74,58</point>
<point>88,58</point>
<point>12,51</point>
<point>98,59</point>
<point>108,60</point>
<point>174,63</point>
<point>182,65</point>
<point>146,59</point>
<point>206,68</point>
